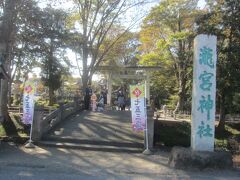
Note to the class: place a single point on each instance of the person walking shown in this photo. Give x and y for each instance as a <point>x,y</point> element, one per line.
<point>121,101</point>
<point>104,93</point>
<point>94,101</point>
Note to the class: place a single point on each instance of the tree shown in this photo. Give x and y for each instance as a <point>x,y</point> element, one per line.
<point>124,51</point>
<point>37,38</point>
<point>51,39</point>
<point>20,59</point>
<point>24,49</point>
<point>172,22</point>
<point>222,19</point>
<point>95,19</point>
<point>7,36</point>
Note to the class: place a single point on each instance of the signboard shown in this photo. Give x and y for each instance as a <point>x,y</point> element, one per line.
<point>204,92</point>
<point>28,102</point>
<point>137,94</point>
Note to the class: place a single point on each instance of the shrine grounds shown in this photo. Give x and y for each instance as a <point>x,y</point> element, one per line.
<point>45,162</point>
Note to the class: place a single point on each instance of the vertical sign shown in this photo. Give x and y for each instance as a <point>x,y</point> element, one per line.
<point>204,92</point>
<point>28,102</point>
<point>138,107</point>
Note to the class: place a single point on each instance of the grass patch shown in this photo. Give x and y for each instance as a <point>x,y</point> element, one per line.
<point>233,129</point>
<point>20,130</point>
<point>221,138</point>
<point>2,131</point>
<point>172,133</point>
<point>179,134</point>
<point>14,130</point>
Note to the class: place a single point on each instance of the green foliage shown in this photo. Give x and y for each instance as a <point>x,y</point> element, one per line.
<point>167,40</point>
<point>150,59</point>
<point>222,20</point>
<point>221,138</point>
<point>52,74</point>
<point>172,134</point>
<point>21,129</point>
<point>2,131</point>
<point>178,134</point>
<point>52,40</point>
<point>124,50</point>
<point>173,99</point>
<point>236,104</point>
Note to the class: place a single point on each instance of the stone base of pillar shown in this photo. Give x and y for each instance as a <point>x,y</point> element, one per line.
<point>147,152</point>
<point>29,144</point>
<point>185,158</point>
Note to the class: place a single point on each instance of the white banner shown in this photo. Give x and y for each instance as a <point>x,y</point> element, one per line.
<point>28,102</point>
<point>138,107</point>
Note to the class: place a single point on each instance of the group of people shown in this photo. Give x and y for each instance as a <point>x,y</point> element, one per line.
<point>97,102</point>
<point>92,101</point>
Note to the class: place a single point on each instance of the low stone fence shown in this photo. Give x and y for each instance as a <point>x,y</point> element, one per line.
<point>232,118</point>
<point>19,110</point>
<point>42,125</point>
<point>229,118</point>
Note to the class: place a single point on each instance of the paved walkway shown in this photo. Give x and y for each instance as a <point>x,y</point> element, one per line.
<point>107,131</point>
<point>100,126</point>
<point>61,163</point>
<point>73,164</point>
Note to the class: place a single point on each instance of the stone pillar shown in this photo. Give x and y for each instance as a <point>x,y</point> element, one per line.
<point>150,125</point>
<point>147,88</point>
<point>76,104</point>
<point>204,92</point>
<point>109,87</point>
<point>37,130</point>
<point>61,111</point>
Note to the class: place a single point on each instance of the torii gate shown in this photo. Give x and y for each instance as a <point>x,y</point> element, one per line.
<point>115,71</point>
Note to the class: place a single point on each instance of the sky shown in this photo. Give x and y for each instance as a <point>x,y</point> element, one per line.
<point>201,3</point>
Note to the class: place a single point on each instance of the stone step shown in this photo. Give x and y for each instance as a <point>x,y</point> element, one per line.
<point>129,144</point>
<point>91,146</point>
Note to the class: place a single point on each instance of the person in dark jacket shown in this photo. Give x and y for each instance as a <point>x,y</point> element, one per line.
<point>121,101</point>
<point>87,97</point>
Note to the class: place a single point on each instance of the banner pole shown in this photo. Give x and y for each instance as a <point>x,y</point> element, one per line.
<point>146,121</point>
<point>30,138</point>
<point>30,144</point>
<point>147,151</point>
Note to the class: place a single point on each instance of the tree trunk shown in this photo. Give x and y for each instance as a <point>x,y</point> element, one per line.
<point>85,78</point>
<point>182,91</point>
<point>221,125</point>
<point>84,81</point>
<point>50,74</point>
<point>181,96</point>
<point>175,110</point>
<point>6,40</point>
<point>4,99</point>
<point>10,94</point>
<point>51,96</point>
